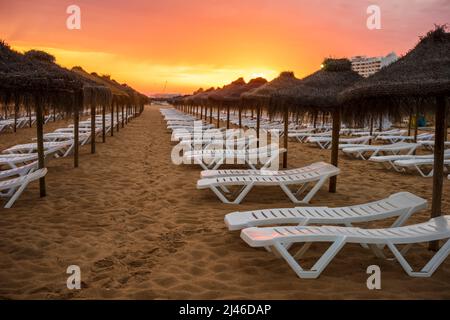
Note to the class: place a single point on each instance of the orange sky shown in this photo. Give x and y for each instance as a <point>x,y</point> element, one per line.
<point>202,43</point>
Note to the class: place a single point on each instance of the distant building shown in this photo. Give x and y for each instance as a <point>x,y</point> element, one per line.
<point>367,66</point>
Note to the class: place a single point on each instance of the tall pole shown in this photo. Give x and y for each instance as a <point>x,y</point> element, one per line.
<point>76,120</point>
<point>371,129</point>
<point>40,143</point>
<point>104,123</point>
<point>93,131</point>
<point>16,109</point>
<point>218,117</point>
<point>285,138</point>
<point>228,117</point>
<point>258,123</point>
<point>210,115</point>
<point>112,119</point>
<point>123,116</point>
<point>240,117</point>
<point>438,174</point>
<point>335,146</point>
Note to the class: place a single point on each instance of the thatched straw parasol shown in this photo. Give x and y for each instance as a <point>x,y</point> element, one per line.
<point>201,99</point>
<point>94,93</point>
<point>230,95</point>
<point>118,96</point>
<point>38,84</point>
<point>318,92</point>
<point>260,97</point>
<point>421,79</point>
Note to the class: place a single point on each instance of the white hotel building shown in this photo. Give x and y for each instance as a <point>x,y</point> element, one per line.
<point>367,66</point>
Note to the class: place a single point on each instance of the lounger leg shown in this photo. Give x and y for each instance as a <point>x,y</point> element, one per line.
<point>318,267</point>
<point>218,164</point>
<point>422,173</point>
<point>238,199</point>
<point>429,268</point>
<point>308,196</point>
<point>16,194</point>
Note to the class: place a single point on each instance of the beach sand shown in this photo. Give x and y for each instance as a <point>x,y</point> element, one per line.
<point>139,229</point>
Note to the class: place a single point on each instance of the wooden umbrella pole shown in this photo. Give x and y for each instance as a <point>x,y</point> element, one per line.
<point>123,116</point>
<point>258,123</point>
<point>210,115</point>
<point>409,124</point>
<point>16,107</point>
<point>104,123</point>
<point>381,123</point>
<point>416,125</point>
<point>228,117</point>
<point>93,128</point>
<point>335,146</point>
<point>40,143</point>
<point>438,174</point>
<point>117,117</point>
<point>285,138</point>
<point>218,117</point>
<point>29,117</point>
<point>240,117</point>
<point>76,120</point>
<point>371,129</point>
<point>112,119</point>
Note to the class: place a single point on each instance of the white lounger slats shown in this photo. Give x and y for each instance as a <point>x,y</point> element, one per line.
<point>13,188</point>
<point>219,185</point>
<point>374,150</point>
<point>280,239</point>
<point>401,205</point>
<point>238,172</point>
<point>420,165</point>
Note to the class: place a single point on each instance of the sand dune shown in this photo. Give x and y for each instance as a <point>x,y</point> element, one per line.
<point>139,229</point>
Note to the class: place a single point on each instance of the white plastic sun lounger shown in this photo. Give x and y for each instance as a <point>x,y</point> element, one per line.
<point>302,137</point>
<point>261,172</point>
<point>12,160</point>
<point>429,144</point>
<point>399,138</point>
<point>55,137</point>
<point>219,185</point>
<point>13,188</point>
<point>420,165</point>
<point>32,147</point>
<point>401,205</point>
<point>202,144</point>
<point>365,151</point>
<point>325,142</point>
<point>214,158</point>
<point>390,161</point>
<point>279,239</point>
<point>19,171</point>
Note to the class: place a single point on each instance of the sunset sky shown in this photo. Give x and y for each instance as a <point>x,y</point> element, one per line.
<point>203,43</point>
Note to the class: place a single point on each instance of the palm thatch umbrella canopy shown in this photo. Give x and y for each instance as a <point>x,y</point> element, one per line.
<point>94,93</point>
<point>260,97</point>
<point>201,99</point>
<point>319,92</point>
<point>230,95</point>
<point>262,94</point>
<point>38,84</point>
<point>421,79</point>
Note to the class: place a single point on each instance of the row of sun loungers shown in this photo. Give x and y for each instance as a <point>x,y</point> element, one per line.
<point>20,162</point>
<point>21,122</point>
<point>282,231</point>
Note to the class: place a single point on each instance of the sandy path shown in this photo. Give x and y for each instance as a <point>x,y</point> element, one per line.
<point>138,228</point>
